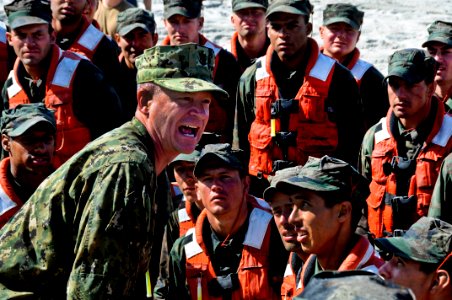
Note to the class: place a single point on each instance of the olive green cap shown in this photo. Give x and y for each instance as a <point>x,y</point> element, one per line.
<point>18,120</point>
<point>343,12</point>
<point>184,68</point>
<point>353,285</point>
<point>188,8</point>
<point>27,12</point>
<point>279,176</point>
<point>133,18</point>
<point>327,174</point>
<point>439,31</point>
<point>429,240</point>
<point>412,65</point>
<point>242,4</point>
<point>219,153</point>
<point>296,7</point>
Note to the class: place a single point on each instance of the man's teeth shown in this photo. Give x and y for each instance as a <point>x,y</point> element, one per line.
<point>188,130</point>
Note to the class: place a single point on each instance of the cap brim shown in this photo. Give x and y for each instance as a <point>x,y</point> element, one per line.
<point>285,9</point>
<point>353,24</point>
<point>207,160</point>
<point>169,12</point>
<point>190,85</point>
<point>126,29</point>
<point>269,193</point>
<point>405,75</point>
<point>248,5</point>
<point>26,20</point>
<point>29,124</point>
<point>438,39</point>
<point>399,247</point>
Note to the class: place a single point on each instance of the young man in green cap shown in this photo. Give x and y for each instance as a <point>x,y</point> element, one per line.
<point>88,231</point>
<point>28,136</point>
<point>86,105</point>
<point>340,33</point>
<point>295,102</point>
<point>328,195</point>
<point>401,155</point>
<point>439,45</point>
<point>281,205</point>
<point>234,251</point>
<point>183,22</point>
<point>249,40</point>
<point>135,33</point>
<point>420,259</point>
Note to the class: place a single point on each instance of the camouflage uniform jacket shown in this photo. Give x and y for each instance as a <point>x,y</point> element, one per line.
<point>441,206</point>
<point>87,232</point>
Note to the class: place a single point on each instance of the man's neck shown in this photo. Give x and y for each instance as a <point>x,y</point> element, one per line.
<point>64,29</point>
<point>229,224</point>
<point>414,121</point>
<point>444,90</point>
<point>252,45</point>
<point>335,255</point>
<point>40,70</point>
<point>295,61</point>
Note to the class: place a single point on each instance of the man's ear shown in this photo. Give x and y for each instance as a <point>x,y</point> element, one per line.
<point>6,143</point>
<point>308,28</point>
<point>117,38</point>
<point>201,22</point>
<point>441,282</point>
<point>143,100</point>
<point>345,211</point>
<point>155,39</point>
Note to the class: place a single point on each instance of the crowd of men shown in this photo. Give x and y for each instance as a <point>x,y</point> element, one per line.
<point>279,167</point>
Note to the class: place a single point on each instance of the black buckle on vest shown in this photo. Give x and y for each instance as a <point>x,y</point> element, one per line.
<point>283,107</point>
<point>223,284</point>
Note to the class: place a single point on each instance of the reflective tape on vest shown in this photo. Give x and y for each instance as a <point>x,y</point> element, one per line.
<point>192,248</point>
<point>5,202</point>
<point>91,37</point>
<point>261,72</point>
<point>2,33</point>
<point>14,88</point>
<point>383,134</point>
<point>288,272</point>
<point>183,215</point>
<point>215,49</point>
<point>258,223</point>
<point>322,67</point>
<point>360,68</point>
<point>444,133</point>
<point>64,72</point>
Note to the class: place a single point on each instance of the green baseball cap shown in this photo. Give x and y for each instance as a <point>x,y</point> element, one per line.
<point>28,12</point>
<point>439,31</point>
<point>343,12</point>
<point>279,175</point>
<point>133,18</point>
<point>296,7</point>
<point>353,285</point>
<point>429,240</point>
<point>327,174</point>
<point>18,120</point>
<point>184,68</point>
<point>187,8</point>
<point>219,153</point>
<point>242,4</point>
<point>412,65</point>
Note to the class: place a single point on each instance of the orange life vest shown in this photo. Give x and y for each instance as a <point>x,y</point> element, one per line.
<point>88,40</point>
<point>3,53</point>
<point>358,67</point>
<point>186,219</point>
<point>253,267</point>
<point>383,187</point>
<point>309,132</point>
<point>361,257</point>
<point>10,203</point>
<point>71,135</point>
<point>234,41</point>
<point>288,286</point>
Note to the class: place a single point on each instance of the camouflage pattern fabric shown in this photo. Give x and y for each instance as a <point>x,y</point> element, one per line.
<point>439,31</point>
<point>184,68</point>
<point>343,12</point>
<point>429,240</point>
<point>279,176</point>
<point>18,120</point>
<point>27,12</point>
<point>441,206</point>
<point>135,17</point>
<point>87,232</point>
<point>218,152</point>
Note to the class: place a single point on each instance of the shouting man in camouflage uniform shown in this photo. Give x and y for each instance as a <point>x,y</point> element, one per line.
<point>88,231</point>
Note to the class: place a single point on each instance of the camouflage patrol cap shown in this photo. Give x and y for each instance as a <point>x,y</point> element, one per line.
<point>18,120</point>
<point>279,175</point>
<point>353,285</point>
<point>242,4</point>
<point>188,8</point>
<point>133,18</point>
<point>191,157</point>
<point>429,240</point>
<point>343,12</point>
<point>327,174</point>
<point>183,68</point>
<point>412,65</point>
<point>219,153</point>
<point>296,7</point>
<point>28,12</point>
<point>439,31</point>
